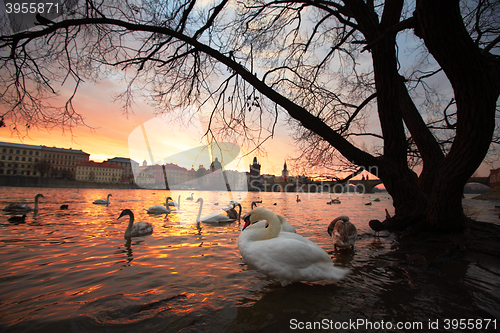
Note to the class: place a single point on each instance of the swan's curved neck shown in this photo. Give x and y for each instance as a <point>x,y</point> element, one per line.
<point>239,212</point>
<point>36,203</point>
<point>179,202</point>
<point>199,211</point>
<point>272,229</point>
<point>130,224</point>
<point>107,199</point>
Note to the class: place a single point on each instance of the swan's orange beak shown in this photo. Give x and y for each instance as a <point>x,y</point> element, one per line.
<point>247,221</point>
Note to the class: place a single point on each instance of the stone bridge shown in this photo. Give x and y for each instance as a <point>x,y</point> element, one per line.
<point>367,186</point>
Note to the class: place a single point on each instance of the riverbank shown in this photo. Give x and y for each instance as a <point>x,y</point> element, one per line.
<point>488,196</point>
<point>23,181</point>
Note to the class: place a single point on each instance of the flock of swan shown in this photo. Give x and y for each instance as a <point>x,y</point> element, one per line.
<point>267,241</point>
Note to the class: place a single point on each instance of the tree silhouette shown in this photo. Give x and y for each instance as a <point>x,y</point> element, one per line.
<point>333,68</point>
<point>43,167</point>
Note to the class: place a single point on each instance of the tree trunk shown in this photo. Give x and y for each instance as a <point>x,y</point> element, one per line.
<point>409,202</point>
<point>440,25</point>
<point>400,181</point>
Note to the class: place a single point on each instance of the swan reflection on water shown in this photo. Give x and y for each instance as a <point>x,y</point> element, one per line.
<point>72,268</point>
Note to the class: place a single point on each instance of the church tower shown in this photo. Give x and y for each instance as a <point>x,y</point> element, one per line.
<point>254,169</point>
<point>284,173</point>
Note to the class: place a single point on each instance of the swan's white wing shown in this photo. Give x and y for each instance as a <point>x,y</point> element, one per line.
<point>157,209</point>
<point>289,258</point>
<point>216,218</point>
<point>17,208</point>
<point>141,228</point>
<point>285,226</point>
<point>101,201</point>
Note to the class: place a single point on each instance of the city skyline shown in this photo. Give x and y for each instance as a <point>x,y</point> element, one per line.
<point>108,129</point>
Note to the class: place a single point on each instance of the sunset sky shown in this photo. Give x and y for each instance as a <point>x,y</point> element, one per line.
<point>111,133</point>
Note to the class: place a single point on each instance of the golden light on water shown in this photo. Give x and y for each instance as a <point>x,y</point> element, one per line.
<point>76,264</point>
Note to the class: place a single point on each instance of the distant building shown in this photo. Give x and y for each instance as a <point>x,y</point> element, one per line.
<point>215,165</point>
<point>127,164</point>
<point>254,177</point>
<point>26,160</point>
<point>284,174</point>
<point>95,172</point>
<point>150,176</point>
<point>63,161</point>
<point>237,180</point>
<point>495,180</point>
<point>255,169</point>
<point>177,175</point>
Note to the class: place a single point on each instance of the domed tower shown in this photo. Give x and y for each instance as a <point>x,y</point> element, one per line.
<point>215,165</point>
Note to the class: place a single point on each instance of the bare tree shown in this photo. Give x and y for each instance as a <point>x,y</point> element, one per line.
<point>330,67</point>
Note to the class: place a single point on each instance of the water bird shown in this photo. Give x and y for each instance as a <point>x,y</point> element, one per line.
<point>159,209</point>
<point>18,219</point>
<point>285,225</point>
<point>21,208</point>
<point>335,201</point>
<point>212,218</point>
<point>376,226</point>
<point>137,228</point>
<point>284,256</point>
<point>64,207</point>
<point>343,233</point>
<point>368,204</point>
<point>102,201</point>
<point>298,200</point>
<point>231,212</point>
<point>190,197</point>
<point>175,204</point>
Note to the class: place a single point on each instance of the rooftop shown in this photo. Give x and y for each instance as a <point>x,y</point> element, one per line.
<point>100,165</point>
<point>19,145</point>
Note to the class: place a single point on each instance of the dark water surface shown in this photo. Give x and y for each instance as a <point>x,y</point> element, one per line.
<point>72,270</point>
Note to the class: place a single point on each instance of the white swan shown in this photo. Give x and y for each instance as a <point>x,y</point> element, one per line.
<point>343,233</point>
<point>21,208</point>
<point>159,209</point>
<point>103,201</point>
<point>212,218</point>
<point>285,225</point>
<point>190,197</point>
<point>284,256</point>
<point>136,229</point>
<point>175,204</point>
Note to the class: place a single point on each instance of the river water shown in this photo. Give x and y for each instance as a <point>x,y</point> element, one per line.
<point>72,270</point>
